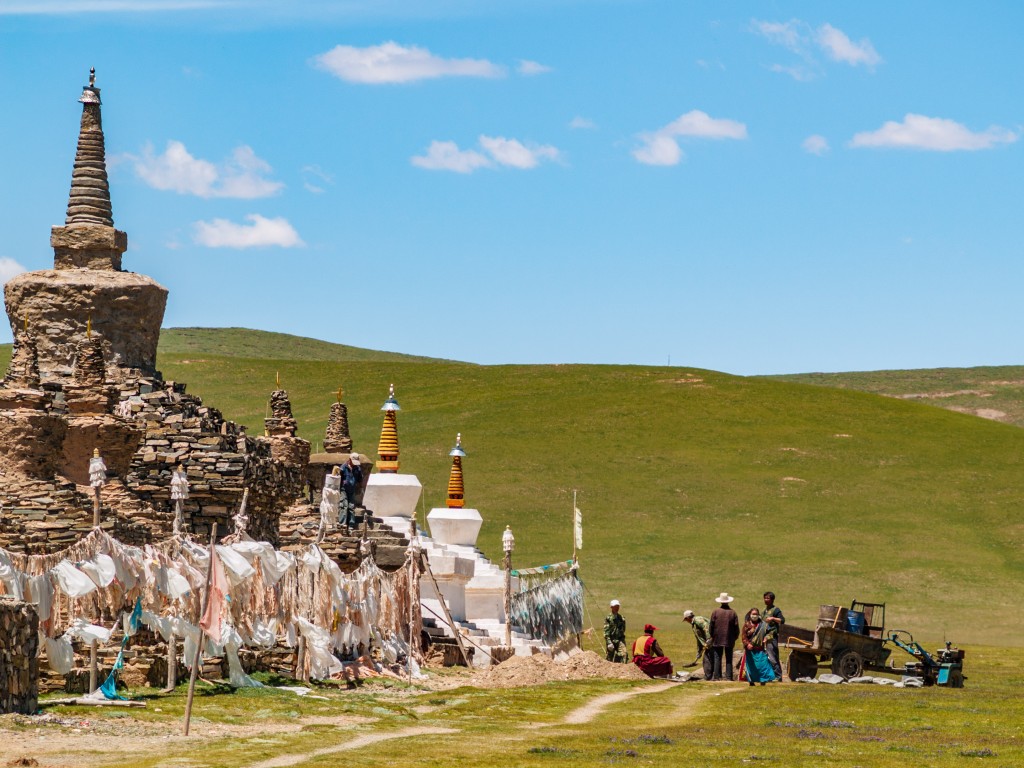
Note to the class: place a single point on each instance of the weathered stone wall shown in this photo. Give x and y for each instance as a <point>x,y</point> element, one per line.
<point>19,657</point>
<point>220,461</point>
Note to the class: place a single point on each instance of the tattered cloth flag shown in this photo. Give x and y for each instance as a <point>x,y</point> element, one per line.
<point>131,625</point>
<point>578,527</point>
<point>210,623</point>
<point>97,472</point>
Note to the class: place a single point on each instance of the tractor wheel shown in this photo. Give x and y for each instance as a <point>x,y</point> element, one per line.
<point>848,663</point>
<point>956,679</point>
<point>801,664</point>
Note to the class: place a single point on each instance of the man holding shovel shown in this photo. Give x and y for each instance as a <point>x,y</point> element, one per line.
<point>702,631</point>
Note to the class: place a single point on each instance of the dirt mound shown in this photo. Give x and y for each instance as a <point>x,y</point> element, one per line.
<point>538,669</point>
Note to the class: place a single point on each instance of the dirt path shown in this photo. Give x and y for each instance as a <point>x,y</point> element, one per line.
<point>592,709</point>
<point>360,741</point>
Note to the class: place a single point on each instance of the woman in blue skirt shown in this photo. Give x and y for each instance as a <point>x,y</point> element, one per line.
<point>757,666</point>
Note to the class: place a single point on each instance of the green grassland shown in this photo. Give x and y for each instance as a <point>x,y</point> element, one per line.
<point>691,481</point>
<point>992,392</point>
<point>696,724</point>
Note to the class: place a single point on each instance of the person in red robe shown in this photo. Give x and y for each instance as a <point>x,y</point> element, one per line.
<point>647,654</point>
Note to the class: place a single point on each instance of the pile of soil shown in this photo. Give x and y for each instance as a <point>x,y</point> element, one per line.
<point>538,669</point>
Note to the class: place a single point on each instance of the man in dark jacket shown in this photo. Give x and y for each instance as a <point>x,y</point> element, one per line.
<point>351,480</point>
<point>725,629</point>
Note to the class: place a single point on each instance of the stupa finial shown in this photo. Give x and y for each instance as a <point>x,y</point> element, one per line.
<point>89,201</point>
<point>456,489</point>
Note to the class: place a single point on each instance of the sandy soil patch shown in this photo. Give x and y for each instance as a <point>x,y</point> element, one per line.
<point>539,669</point>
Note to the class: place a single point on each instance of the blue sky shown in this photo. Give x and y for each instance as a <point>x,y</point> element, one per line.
<point>753,188</point>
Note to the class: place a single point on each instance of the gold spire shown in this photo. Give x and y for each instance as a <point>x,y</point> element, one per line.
<point>339,394</point>
<point>387,448</point>
<point>456,490</point>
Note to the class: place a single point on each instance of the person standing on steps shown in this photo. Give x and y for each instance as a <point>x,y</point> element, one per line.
<point>615,635</point>
<point>351,479</point>
<point>725,630</point>
<point>773,617</point>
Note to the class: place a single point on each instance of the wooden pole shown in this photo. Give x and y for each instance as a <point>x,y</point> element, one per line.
<point>444,607</point>
<point>93,667</point>
<point>508,598</point>
<point>93,661</point>
<point>172,664</point>
<point>412,586</point>
<point>199,646</point>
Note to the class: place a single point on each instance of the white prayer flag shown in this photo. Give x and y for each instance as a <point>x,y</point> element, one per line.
<point>579,527</point>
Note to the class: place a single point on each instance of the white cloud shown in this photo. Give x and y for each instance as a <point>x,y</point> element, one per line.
<point>66,7</point>
<point>798,72</point>
<point>446,156</point>
<point>933,133</point>
<point>497,151</point>
<point>532,68</point>
<point>815,145</point>
<point>514,154</point>
<point>393,63</point>
<point>241,176</point>
<point>789,34</point>
<point>9,268</point>
<point>660,147</point>
<point>801,38</point>
<point>259,233</point>
<point>701,125</point>
<point>582,124</point>
<point>313,176</point>
<point>839,47</point>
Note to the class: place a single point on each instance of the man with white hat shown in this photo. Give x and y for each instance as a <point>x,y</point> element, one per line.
<point>725,630</point>
<point>615,635</point>
<point>351,480</point>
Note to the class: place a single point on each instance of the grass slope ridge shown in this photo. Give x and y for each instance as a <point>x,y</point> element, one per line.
<point>991,392</point>
<point>267,345</point>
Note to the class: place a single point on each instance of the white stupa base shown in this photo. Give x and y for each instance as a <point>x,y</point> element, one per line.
<point>392,495</point>
<point>485,604</point>
<point>452,574</point>
<point>453,525</point>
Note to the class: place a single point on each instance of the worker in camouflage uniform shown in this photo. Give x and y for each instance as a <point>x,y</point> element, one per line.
<point>702,631</point>
<point>615,635</point>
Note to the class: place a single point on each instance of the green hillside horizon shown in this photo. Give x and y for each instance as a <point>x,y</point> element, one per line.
<point>691,482</point>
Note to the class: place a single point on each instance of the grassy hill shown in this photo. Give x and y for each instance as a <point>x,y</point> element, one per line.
<point>693,482</point>
<point>995,393</point>
<point>244,342</point>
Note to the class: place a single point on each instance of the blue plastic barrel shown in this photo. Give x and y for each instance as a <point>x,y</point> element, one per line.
<point>855,622</point>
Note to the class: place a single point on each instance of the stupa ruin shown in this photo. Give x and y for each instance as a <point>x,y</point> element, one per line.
<point>83,377</point>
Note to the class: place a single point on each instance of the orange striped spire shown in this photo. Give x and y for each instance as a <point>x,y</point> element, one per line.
<point>456,490</point>
<point>387,448</point>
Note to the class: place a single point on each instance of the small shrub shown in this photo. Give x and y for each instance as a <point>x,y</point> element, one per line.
<point>551,751</point>
<point>986,752</point>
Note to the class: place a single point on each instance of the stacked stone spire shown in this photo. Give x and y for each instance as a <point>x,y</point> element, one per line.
<point>280,423</point>
<point>456,490</point>
<point>337,438</point>
<point>387,448</point>
<point>89,202</point>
